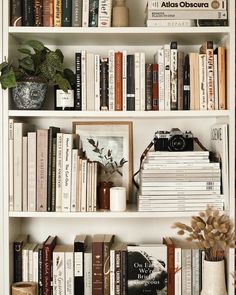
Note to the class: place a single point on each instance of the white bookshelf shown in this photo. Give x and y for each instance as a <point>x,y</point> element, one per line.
<point>129,226</point>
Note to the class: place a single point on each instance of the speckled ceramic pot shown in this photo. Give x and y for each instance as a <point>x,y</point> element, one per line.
<point>29,95</point>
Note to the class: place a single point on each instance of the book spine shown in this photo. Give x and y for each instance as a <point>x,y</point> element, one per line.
<point>112,272</point>
<point>171,269</point>
<point>59,258</point>
<point>32,179</point>
<point>77,13</point>
<point>130,83</point>
<point>25,173</point>
<point>11,163</point>
<point>210,78</point>
<point>170,23</point>
<point>69,273</point>
<point>25,265</point>
<point>93,13</point>
<point>155,98</point>
<point>48,17</point>
<point>184,14</point>
<point>88,273</point>
<point>221,52</point>
<point>97,268</point>
<point>35,266</point>
<point>124,80</point>
<point>216,82</point>
<point>104,99</point>
<point>79,268</point>
<point>195,272</point>
<point>161,76</point>
<point>148,92</point>
<point>89,188</point>
<point>104,13</point>
<point>106,268</point>
<point>57,13</point>
<point>186,272</point>
<point>97,82</point>
<point>124,277</point>
<point>142,81</point>
<point>173,75</point>
<point>202,81</point>
<point>186,81</point>
<point>117,272</point>
<point>90,81</point>
<point>16,13</point>
<point>59,172</point>
<point>84,79</point>
<point>118,81</point>
<point>78,195</point>
<point>30,266</point>
<point>17,248</point>
<point>111,78</point>
<point>27,13</point>
<point>95,187</point>
<point>167,76</point>
<point>78,96</point>
<point>66,172</point>
<point>180,83</point>
<point>47,267</point>
<point>137,81</point>
<point>53,199</point>
<point>178,271</point>
<point>40,271</point>
<point>191,5</point>
<point>85,13</point>
<point>38,13</point>
<point>84,165</point>
<point>66,13</point>
<point>74,180</point>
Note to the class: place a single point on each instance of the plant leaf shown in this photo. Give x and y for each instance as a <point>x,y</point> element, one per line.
<point>59,54</point>
<point>27,64</point>
<point>70,76</point>
<point>91,141</point>
<point>8,80</point>
<point>109,153</point>
<point>35,44</point>
<point>62,83</point>
<point>54,61</point>
<point>3,65</point>
<point>24,50</point>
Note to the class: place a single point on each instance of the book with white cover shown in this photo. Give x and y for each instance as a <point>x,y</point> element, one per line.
<point>180,192</point>
<point>137,80</point>
<point>178,271</point>
<point>32,180</point>
<point>178,154</point>
<point>90,69</point>
<point>58,268</point>
<point>190,4</point>
<point>104,13</point>
<point>195,271</point>
<point>202,81</point>
<point>85,13</point>
<point>69,269</point>
<point>111,79</point>
<point>186,272</point>
<point>97,82</point>
<point>160,60</point>
<point>31,261</point>
<point>25,174</point>
<point>36,263</point>
<point>11,163</point>
<point>74,179</point>
<point>219,145</point>
<point>59,146</point>
<point>170,23</point>
<point>25,262</point>
<point>184,14</point>
<point>84,165</point>
<point>179,209</point>
<point>142,81</point>
<point>217,198</point>
<point>88,271</point>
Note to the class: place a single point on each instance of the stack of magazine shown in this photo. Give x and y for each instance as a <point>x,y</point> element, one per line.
<point>163,13</point>
<point>179,181</point>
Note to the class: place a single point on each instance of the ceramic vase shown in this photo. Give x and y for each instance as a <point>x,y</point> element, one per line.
<point>213,278</point>
<point>104,195</point>
<point>120,14</point>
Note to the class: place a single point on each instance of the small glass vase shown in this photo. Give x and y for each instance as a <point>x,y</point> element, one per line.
<point>104,195</point>
<point>213,278</point>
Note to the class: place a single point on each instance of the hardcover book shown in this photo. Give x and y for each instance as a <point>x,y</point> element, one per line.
<point>147,269</point>
<point>18,245</point>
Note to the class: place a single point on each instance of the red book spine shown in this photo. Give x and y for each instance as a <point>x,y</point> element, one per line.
<point>97,267</point>
<point>48,15</point>
<point>171,269</point>
<point>155,97</point>
<point>118,81</point>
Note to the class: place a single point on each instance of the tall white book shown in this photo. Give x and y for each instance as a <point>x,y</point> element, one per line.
<point>69,270</point>
<point>74,179</point>
<point>97,82</point>
<point>58,270</point>
<point>90,69</point>
<point>59,146</point>
<point>167,76</point>
<point>137,80</point>
<point>88,271</point>
<point>25,174</point>
<point>32,168</point>
<point>11,163</point>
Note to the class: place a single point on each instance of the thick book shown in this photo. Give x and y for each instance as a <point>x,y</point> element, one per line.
<point>194,81</point>
<point>124,79</point>
<point>16,13</point>
<point>40,270</point>
<point>173,75</point>
<point>104,84</point>
<point>80,246</point>
<point>88,271</point>
<point>57,13</point>
<point>180,80</point>
<point>11,163</point>
<point>28,13</point>
<point>104,13</point>
<point>32,168</point>
<point>184,14</point>
<point>38,13</point>
<point>147,269</point>
<point>148,90</point>
<point>186,82</point>
<point>90,81</point>
<point>111,79</point>
<point>52,134</point>
<point>58,270</point>
<point>155,88</point>
<point>118,81</point>
<point>97,82</point>
<point>221,57</point>
<point>25,174</point>
<point>69,269</point>
<point>191,5</point>
<point>77,13</point>
<point>186,272</point>
<point>98,264</point>
<point>178,271</point>
<point>66,13</point>
<point>48,13</point>
<point>48,247</point>
<point>130,80</point>
<point>170,265</point>
<point>108,241</point>
<point>18,245</point>
<point>59,145</point>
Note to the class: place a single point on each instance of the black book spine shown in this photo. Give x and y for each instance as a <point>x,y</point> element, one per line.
<point>186,94</point>
<point>27,13</point>
<point>18,261</point>
<point>16,13</point>
<point>52,133</point>
<point>93,13</point>
<point>124,277</point>
<point>79,268</point>
<point>66,13</point>
<point>104,98</point>
<point>78,98</point>
<point>148,86</point>
<point>130,83</point>
<point>40,271</point>
<point>118,271</point>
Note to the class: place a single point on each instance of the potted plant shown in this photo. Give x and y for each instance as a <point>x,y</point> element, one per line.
<point>30,76</point>
<point>107,168</point>
<point>214,233</point>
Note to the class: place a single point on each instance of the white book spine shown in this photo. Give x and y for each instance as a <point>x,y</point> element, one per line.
<point>25,265</point>
<point>161,76</point>
<point>59,172</point>
<point>173,77</point>
<point>178,271</point>
<point>97,82</point>
<point>112,272</point>
<point>202,82</point>
<point>32,180</point>
<point>95,187</point>
<point>11,164</point>
<point>83,185</point>
<point>74,180</point>
<point>88,273</point>
<point>216,82</point>
<point>124,79</point>
<point>137,80</point>
<point>69,273</point>
<point>185,14</point>
<point>25,174</point>
<point>58,273</point>
<point>85,13</point>
<point>142,81</point>
<point>210,79</point>
<point>195,271</point>
<point>90,69</point>
<point>84,79</point>
<point>183,5</point>
<point>35,266</point>
<point>92,184</point>
<point>111,79</point>
<point>66,172</point>
<point>170,23</point>
<point>104,13</point>
<point>30,267</point>
<point>78,189</point>
<point>89,190</point>
<point>167,76</point>
<point>78,264</point>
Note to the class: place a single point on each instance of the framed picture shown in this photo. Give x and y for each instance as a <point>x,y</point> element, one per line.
<point>111,145</point>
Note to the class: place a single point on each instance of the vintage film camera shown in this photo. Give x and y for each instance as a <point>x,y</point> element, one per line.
<point>173,140</point>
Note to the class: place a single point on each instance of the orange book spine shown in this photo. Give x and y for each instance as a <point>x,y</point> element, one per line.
<point>48,13</point>
<point>118,81</point>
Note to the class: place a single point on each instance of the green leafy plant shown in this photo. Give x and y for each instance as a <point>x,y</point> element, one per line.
<point>213,231</point>
<point>39,64</point>
<point>108,165</point>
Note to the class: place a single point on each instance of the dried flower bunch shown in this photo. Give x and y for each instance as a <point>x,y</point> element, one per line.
<point>214,232</point>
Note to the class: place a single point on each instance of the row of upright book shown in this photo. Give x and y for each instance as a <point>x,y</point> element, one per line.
<point>102,265</point>
<point>175,80</point>
<point>61,13</point>
<point>48,171</point>
<point>162,13</point>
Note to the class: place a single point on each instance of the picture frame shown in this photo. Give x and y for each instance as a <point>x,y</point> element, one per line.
<point>109,135</point>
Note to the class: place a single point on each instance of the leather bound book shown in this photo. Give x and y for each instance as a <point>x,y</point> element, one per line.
<point>40,270</point>
<point>18,245</point>
<point>130,83</point>
<point>16,13</point>
<point>170,265</point>
<point>155,91</point>
<point>118,81</point>
<point>104,103</point>
<point>38,13</point>
<point>27,12</point>
<point>48,13</point>
<point>148,90</point>
<point>97,265</point>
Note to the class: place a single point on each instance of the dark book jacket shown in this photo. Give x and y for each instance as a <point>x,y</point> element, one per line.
<point>147,269</point>
<point>18,245</point>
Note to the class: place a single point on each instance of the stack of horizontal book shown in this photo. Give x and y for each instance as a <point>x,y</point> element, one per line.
<point>179,181</point>
<point>162,13</point>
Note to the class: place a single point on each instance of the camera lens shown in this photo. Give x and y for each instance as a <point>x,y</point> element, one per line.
<point>176,143</point>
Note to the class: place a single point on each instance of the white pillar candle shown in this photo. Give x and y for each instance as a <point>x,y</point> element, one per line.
<point>118,198</point>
